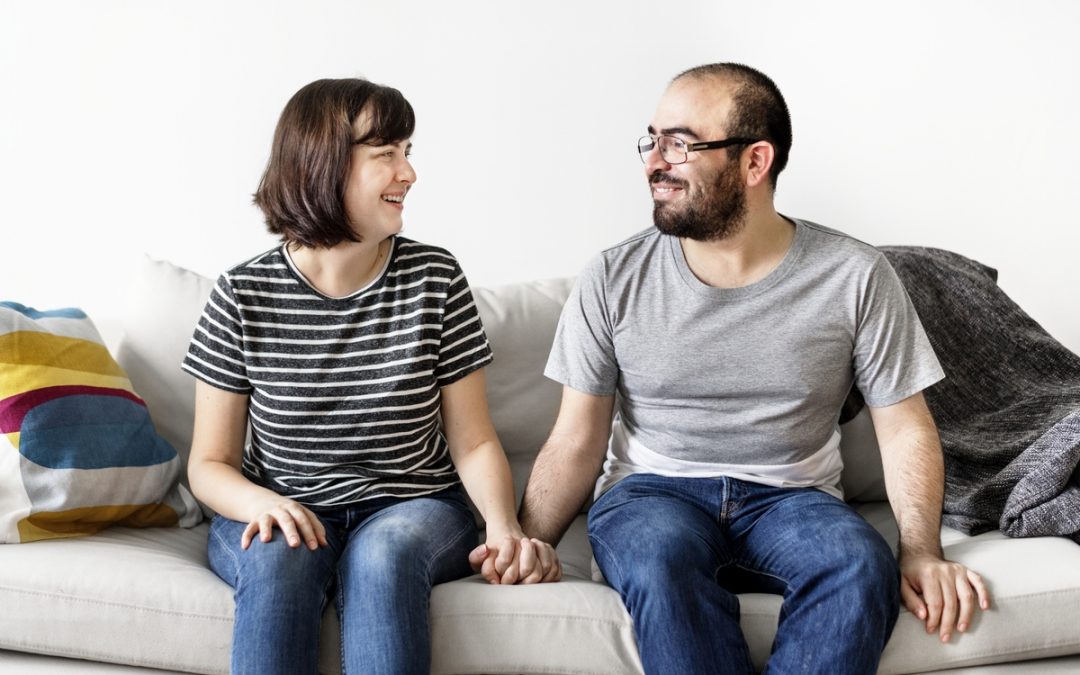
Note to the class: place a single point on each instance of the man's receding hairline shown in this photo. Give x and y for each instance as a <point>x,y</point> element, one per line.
<point>732,80</point>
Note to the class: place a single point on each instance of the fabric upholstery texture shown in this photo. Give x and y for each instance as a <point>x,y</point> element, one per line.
<point>77,449</point>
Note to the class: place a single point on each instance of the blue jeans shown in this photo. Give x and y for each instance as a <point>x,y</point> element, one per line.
<point>678,550</point>
<point>380,564</point>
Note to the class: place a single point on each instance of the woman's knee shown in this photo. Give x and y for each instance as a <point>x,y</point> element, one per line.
<point>398,543</point>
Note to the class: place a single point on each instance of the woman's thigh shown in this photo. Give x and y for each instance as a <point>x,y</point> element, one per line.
<point>428,535</point>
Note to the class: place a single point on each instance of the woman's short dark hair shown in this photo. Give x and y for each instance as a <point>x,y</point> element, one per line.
<point>302,191</point>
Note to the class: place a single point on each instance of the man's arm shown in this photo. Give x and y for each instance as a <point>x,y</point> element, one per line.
<point>566,469</point>
<point>939,592</point>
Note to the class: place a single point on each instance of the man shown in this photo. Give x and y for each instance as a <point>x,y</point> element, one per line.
<point>715,352</point>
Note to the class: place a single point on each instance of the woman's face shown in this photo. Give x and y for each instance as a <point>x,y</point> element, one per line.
<point>375,189</point>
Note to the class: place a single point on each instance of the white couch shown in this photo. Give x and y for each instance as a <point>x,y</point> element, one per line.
<point>147,597</point>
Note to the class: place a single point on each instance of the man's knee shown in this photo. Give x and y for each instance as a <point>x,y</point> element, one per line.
<point>869,574</point>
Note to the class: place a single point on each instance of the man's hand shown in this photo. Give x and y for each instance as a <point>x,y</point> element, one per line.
<point>943,594</point>
<point>511,560</point>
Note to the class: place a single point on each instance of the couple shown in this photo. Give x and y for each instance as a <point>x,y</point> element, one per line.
<point>707,358</point>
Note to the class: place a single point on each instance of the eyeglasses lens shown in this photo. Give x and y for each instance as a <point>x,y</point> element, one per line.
<point>672,149</point>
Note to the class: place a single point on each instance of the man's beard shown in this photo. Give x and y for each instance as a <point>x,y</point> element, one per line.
<point>711,217</point>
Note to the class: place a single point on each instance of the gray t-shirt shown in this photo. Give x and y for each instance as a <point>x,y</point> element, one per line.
<point>748,381</point>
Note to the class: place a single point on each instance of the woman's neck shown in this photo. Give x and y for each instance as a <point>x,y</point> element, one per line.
<point>343,269</point>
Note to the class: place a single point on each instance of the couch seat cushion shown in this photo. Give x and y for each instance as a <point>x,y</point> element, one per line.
<point>147,597</point>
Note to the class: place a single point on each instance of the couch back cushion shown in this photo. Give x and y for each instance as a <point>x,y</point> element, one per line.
<point>163,305</point>
<point>520,321</point>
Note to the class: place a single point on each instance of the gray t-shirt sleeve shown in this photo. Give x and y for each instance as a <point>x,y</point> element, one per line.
<point>893,358</point>
<point>583,354</point>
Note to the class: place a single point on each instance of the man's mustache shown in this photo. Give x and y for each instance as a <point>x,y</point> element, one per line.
<point>661,177</point>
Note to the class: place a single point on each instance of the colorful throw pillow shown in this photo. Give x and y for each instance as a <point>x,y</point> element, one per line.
<point>78,451</point>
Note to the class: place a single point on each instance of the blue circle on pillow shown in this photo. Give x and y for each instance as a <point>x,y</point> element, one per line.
<point>88,431</point>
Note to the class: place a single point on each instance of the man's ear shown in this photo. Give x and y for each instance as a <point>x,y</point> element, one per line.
<point>759,161</point>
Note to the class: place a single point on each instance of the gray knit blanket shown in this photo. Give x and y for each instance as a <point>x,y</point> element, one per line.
<point>1009,408</point>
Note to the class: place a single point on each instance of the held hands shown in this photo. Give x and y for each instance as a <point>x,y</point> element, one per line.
<point>941,593</point>
<point>516,559</point>
<point>294,520</point>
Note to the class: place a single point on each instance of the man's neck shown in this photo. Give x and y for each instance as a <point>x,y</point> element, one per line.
<point>746,257</point>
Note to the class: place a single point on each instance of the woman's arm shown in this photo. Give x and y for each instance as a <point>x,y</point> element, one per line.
<point>481,463</point>
<point>214,472</point>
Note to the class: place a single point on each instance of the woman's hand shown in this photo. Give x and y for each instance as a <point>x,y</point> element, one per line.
<point>294,520</point>
<point>512,560</point>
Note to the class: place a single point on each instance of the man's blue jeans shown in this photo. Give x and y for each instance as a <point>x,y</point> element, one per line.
<point>381,562</point>
<point>678,550</point>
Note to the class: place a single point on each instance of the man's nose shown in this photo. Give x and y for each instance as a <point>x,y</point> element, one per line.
<point>654,161</point>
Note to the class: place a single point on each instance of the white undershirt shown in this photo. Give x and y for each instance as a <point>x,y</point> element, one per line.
<point>627,455</point>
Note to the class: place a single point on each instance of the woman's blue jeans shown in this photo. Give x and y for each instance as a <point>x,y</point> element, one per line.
<point>678,550</point>
<point>381,562</point>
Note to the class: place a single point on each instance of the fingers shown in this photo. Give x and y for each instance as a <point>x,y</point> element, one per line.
<point>912,600</point>
<point>521,561</point>
<point>549,560</point>
<point>539,562</point>
<point>488,570</point>
<point>944,595</point>
<point>508,560</point>
<point>931,593</point>
<point>477,557</point>
<point>980,589</point>
<point>949,608</point>
<point>530,566</point>
<point>249,534</point>
<point>500,564</point>
<point>297,524</point>
<point>310,528</point>
<point>967,598</point>
<point>266,528</point>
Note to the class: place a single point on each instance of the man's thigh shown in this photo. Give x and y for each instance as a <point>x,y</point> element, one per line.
<point>796,535</point>
<point>647,524</point>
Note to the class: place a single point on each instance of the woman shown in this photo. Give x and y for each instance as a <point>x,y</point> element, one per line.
<point>342,348</point>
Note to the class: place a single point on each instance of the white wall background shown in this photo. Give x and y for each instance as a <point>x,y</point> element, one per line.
<point>143,126</point>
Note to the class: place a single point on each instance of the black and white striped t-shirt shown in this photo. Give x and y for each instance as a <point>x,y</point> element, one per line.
<point>344,392</point>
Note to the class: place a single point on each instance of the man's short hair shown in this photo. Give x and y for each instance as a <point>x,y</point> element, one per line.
<point>759,109</point>
<point>302,191</point>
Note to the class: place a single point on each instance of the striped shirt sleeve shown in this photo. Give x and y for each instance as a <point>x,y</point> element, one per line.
<point>463,347</point>
<point>216,352</point>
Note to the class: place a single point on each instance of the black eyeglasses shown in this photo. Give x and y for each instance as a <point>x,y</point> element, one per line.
<point>674,150</point>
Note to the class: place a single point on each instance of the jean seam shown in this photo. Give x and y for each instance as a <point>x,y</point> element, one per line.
<point>341,619</point>
<point>228,549</point>
<point>597,542</point>
<point>464,532</point>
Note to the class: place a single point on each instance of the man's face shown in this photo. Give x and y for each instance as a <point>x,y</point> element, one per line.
<point>704,198</point>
